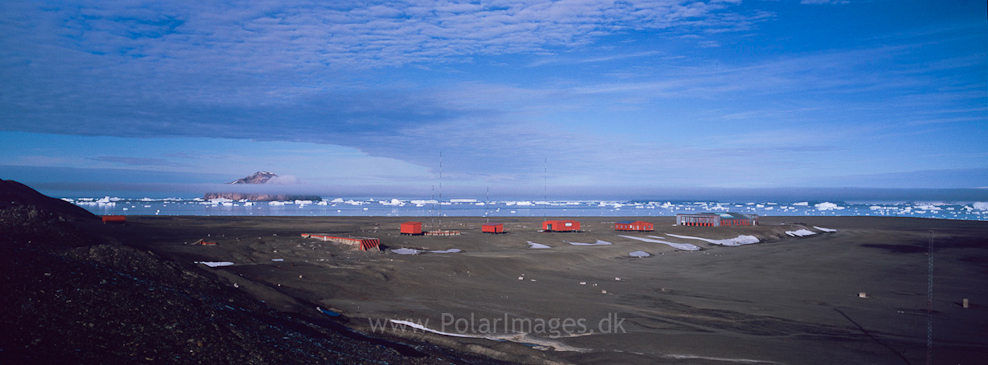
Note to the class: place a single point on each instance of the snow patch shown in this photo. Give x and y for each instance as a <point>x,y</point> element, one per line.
<point>736,241</point>
<point>537,245</point>
<point>980,205</point>
<point>598,243</point>
<point>826,206</point>
<point>828,230</point>
<point>678,246</point>
<point>639,254</point>
<point>215,263</point>
<point>427,329</point>
<point>406,251</point>
<point>452,250</point>
<point>800,233</point>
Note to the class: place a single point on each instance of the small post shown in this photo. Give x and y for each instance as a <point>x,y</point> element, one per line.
<point>965,303</point>
<point>862,295</point>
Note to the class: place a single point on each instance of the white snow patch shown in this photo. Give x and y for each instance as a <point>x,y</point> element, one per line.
<point>452,250</point>
<point>277,260</point>
<point>406,251</point>
<point>427,329</point>
<point>598,243</point>
<point>678,246</point>
<point>825,229</point>
<point>800,233</point>
<point>980,205</point>
<point>537,245</point>
<point>215,263</point>
<point>736,241</point>
<point>639,254</point>
<point>518,337</point>
<point>826,206</point>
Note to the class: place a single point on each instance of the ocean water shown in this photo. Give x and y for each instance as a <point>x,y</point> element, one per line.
<point>474,208</point>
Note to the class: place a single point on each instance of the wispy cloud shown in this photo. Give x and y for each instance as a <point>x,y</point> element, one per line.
<point>402,80</point>
<point>272,35</point>
<point>135,161</point>
<point>572,60</point>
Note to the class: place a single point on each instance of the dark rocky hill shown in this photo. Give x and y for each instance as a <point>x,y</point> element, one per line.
<point>68,295</point>
<point>14,194</point>
<point>260,177</point>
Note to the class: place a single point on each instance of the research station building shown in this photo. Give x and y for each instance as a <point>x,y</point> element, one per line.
<point>716,219</point>
<point>561,226</point>
<point>639,226</point>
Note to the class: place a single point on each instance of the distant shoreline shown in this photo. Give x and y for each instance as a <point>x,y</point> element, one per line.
<point>339,207</point>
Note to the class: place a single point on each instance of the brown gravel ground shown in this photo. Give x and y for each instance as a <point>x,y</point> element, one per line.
<point>70,296</point>
<point>132,292</point>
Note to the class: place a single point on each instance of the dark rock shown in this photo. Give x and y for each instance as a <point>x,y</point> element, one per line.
<point>68,296</point>
<point>260,177</point>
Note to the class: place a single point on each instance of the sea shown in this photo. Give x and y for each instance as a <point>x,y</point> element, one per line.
<point>393,207</point>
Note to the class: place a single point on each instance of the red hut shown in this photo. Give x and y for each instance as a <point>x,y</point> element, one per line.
<point>561,226</point>
<point>494,228</point>
<point>412,228</point>
<point>361,243</point>
<point>639,226</point>
<point>114,219</point>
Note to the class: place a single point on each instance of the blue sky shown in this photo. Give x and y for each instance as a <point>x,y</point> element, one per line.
<point>581,96</point>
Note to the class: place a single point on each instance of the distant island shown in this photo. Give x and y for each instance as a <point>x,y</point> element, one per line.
<point>262,178</point>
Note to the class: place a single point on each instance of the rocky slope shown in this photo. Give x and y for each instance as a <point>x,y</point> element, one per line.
<point>72,296</point>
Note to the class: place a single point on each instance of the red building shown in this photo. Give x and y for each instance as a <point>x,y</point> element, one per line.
<point>411,228</point>
<point>561,226</point>
<point>114,219</point>
<point>639,226</point>
<point>494,228</point>
<point>361,243</point>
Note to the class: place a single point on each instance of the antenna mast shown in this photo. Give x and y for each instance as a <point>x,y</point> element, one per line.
<point>929,305</point>
<point>440,190</point>
<point>545,184</point>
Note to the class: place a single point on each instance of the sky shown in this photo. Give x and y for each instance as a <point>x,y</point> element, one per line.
<point>519,97</point>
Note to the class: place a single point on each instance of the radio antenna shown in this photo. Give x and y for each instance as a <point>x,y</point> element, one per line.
<point>440,190</point>
<point>545,184</point>
<point>929,304</point>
